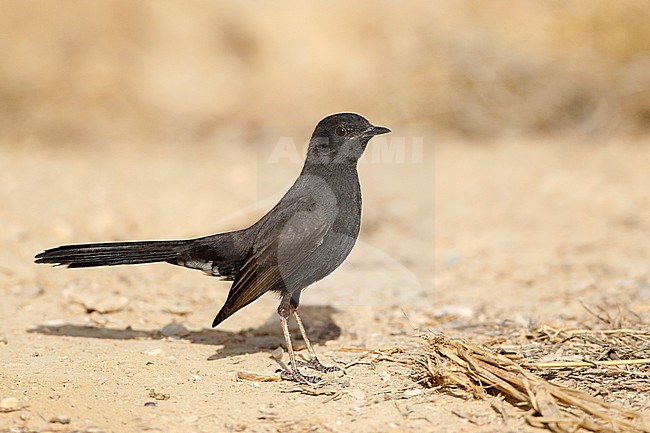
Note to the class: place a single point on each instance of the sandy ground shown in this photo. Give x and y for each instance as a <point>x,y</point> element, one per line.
<point>464,234</point>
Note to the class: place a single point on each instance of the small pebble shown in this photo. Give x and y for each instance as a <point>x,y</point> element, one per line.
<point>101,303</point>
<point>158,395</point>
<point>267,409</point>
<point>155,352</point>
<point>9,404</point>
<point>412,392</point>
<point>98,318</point>
<point>174,330</point>
<point>277,353</point>
<point>60,420</point>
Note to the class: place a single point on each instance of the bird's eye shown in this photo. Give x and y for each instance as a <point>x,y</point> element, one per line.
<point>340,131</point>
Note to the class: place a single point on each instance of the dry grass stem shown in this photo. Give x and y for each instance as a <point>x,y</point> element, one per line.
<point>451,363</point>
<point>256,377</point>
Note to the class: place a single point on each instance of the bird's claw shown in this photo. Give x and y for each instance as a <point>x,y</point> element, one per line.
<point>315,364</point>
<point>296,376</point>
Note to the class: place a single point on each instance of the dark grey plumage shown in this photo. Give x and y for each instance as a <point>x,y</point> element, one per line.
<point>302,239</point>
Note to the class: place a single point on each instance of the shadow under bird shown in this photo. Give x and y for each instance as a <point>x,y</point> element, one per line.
<point>301,240</point>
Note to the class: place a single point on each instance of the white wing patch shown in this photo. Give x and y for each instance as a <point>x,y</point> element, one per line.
<point>207,267</point>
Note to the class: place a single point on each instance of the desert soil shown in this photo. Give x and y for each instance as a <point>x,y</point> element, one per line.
<point>463,234</point>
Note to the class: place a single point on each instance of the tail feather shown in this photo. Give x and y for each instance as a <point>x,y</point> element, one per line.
<point>113,253</point>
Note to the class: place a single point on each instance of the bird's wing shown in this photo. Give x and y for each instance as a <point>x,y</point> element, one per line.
<point>292,231</point>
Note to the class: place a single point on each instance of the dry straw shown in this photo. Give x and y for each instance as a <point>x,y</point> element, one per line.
<point>453,363</point>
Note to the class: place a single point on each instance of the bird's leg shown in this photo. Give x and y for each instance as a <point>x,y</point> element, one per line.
<point>294,374</point>
<point>313,359</point>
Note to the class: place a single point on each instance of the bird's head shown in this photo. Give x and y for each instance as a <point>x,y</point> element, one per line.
<point>341,139</point>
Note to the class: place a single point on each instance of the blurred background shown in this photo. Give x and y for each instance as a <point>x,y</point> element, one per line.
<point>172,119</point>
<point>79,73</point>
<point>514,186</point>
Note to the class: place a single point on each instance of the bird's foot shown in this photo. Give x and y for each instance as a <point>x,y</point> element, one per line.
<point>315,364</point>
<point>296,376</point>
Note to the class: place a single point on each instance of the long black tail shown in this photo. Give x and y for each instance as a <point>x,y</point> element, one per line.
<point>114,253</point>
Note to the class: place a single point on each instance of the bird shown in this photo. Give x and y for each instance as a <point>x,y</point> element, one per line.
<point>302,239</point>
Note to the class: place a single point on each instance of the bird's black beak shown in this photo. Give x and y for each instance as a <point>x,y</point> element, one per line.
<point>375,130</point>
